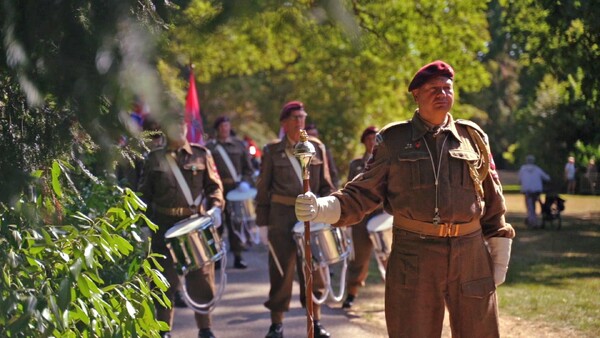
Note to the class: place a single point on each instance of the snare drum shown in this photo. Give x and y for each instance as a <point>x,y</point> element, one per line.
<point>380,232</point>
<point>243,212</point>
<point>327,244</point>
<point>193,243</point>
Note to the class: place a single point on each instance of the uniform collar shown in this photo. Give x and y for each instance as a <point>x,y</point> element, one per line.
<point>227,140</point>
<point>420,127</point>
<point>187,147</point>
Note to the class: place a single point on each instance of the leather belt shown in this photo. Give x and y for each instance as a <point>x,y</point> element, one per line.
<point>176,212</point>
<point>285,200</point>
<point>439,230</point>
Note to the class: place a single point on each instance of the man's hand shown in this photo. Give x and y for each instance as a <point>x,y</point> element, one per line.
<point>319,210</point>
<point>500,251</point>
<point>306,207</point>
<point>215,214</point>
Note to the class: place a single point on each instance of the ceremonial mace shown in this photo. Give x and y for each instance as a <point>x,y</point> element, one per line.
<point>304,152</point>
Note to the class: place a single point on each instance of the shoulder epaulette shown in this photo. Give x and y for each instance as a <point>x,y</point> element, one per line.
<point>394,125</point>
<point>197,145</point>
<point>475,126</point>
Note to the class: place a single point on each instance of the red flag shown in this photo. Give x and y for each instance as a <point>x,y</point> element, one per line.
<point>192,113</point>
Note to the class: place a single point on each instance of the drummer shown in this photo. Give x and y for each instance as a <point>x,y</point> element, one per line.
<point>358,269</point>
<point>279,182</point>
<point>234,166</point>
<point>167,204</point>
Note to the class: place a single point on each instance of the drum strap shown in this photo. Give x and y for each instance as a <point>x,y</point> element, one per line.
<point>234,174</point>
<point>185,188</point>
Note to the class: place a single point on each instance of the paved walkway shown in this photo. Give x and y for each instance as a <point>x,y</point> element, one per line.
<point>241,314</point>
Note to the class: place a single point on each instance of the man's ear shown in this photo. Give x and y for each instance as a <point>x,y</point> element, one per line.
<point>415,95</point>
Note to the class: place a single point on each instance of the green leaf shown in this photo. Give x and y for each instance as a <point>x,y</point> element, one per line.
<point>56,186</point>
<point>64,294</point>
<point>123,245</point>
<point>83,286</point>
<point>88,254</point>
<point>130,309</point>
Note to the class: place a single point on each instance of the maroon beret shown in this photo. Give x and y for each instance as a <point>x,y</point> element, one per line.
<point>429,71</point>
<point>220,120</point>
<point>289,107</point>
<point>368,131</point>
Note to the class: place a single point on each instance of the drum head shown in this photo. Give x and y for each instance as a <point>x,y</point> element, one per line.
<point>381,222</point>
<point>241,193</point>
<point>189,224</point>
<point>299,227</point>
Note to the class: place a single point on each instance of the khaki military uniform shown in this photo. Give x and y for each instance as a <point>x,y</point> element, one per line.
<point>277,188</point>
<point>240,159</point>
<point>167,205</point>
<point>434,262</point>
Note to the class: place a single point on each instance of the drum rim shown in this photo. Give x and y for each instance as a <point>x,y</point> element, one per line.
<point>247,194</point>
<point>314,227</point>
<point>176,230</point>
<point>386,223</point>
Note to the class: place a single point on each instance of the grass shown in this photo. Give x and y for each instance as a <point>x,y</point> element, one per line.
<point>554,276</point>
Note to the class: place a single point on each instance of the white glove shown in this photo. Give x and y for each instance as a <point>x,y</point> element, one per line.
<point>215,214</point>
<point>263,233</point>
<point>500,251</point>
<point>319,210</point>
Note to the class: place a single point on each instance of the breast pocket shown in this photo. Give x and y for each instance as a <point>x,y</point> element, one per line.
<point>459,167</point>
<point>283,171</point>
<point>415,167</point>
<point>164,182</point>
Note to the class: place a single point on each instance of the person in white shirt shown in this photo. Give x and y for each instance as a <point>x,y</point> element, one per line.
<point>531,178</point>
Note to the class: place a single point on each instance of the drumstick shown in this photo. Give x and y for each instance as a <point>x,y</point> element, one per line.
<point>275,258</point>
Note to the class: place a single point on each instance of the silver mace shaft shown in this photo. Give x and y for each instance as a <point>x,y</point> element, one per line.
<point>304,152</point>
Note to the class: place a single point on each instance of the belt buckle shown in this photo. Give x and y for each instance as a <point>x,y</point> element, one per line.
<point>449,229</point>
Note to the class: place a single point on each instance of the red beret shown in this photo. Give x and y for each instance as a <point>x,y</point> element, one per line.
<point>289,107</point>
<point>370,130</point>
<point>429,71</point>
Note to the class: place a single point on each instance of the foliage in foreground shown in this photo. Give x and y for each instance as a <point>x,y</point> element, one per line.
<point>74,262</point>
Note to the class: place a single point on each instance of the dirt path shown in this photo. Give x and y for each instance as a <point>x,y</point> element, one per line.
<point>372,314</point>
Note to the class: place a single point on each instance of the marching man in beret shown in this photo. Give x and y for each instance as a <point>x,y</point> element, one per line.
<point>279,182</point>
<point>451,245</point>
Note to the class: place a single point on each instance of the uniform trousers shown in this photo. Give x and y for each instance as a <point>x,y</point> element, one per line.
<point>232,223</point>
<point>199,283</point>
<point>281,239</point>
<point>358,268</point>
<point>425,274</point>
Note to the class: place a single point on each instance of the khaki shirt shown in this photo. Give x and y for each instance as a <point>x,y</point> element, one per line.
<point>401,176</point>
<point>239,156</point>
<point>158,184</point>
<point>278,177</point>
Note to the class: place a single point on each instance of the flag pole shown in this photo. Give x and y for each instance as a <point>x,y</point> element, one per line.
<point>304,152</point>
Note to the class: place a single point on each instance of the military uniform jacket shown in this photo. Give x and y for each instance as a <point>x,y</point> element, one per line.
<point>401,176</point>
<point>235,148</point>
<point>357,166</point>
<point>160,188</point>
<point>277,177</point>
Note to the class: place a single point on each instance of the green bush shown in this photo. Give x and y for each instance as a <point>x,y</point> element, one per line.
<point>74,261</point>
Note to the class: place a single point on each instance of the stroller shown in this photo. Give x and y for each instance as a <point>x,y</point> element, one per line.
<point>551,209</point>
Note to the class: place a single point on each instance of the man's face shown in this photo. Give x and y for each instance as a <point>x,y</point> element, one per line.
<point>436,96</point>
<point>293,123</point>
<point>369,142</point>
<point>224,130</point>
